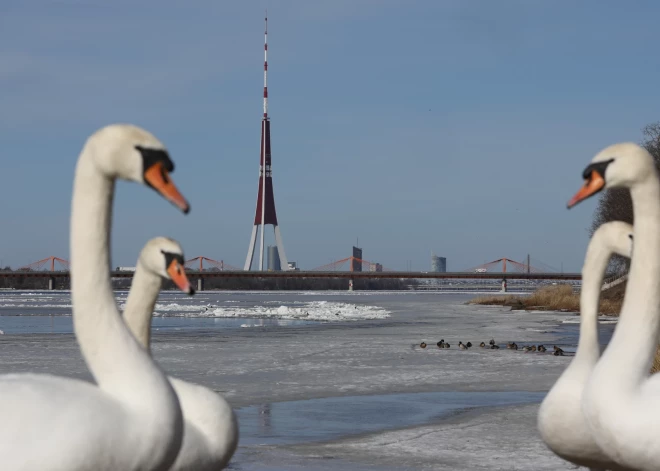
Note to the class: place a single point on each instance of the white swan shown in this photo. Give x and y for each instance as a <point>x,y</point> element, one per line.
<point>560,420</point>
<point>210,426</point>
<point>621,402</point>
<point>132,419</point>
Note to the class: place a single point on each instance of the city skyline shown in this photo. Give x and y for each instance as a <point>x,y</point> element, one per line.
<point>420,126</point>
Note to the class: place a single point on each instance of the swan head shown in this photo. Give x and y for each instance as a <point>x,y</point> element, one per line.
<point>131,153</point>
<point>617,236</point>
<point>617,166</point>
<point>164,257</point>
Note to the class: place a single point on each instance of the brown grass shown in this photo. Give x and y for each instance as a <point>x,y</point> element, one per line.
<point>551,298</point>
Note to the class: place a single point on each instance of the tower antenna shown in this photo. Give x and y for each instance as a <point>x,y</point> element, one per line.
<point>263,160</point>
<point>266,66</point>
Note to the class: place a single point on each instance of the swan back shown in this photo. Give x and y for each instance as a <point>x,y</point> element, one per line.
<point>210,431</point>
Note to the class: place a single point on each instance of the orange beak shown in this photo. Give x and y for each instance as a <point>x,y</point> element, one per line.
<point>159,179</point>
<point>593,185</point>
<point>178,276</point>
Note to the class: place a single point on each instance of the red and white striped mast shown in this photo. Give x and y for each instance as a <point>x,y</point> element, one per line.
<point>263,146</point>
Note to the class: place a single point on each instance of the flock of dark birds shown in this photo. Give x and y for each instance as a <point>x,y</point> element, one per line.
<point>558,352</point>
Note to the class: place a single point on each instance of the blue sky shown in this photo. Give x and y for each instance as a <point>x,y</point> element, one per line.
<point>459,127</point>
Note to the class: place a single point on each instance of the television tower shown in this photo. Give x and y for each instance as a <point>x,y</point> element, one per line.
<point>265,213</point>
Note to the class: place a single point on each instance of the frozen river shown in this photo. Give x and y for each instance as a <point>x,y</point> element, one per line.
<point>337,380</point>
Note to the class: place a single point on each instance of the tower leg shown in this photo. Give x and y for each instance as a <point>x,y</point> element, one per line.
<point>250,255</point>
<point>280,249</point>
<point>261,252</point>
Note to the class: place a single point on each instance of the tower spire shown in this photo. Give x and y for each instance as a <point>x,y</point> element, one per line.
<point>265,212</point>
<point>266,66</point>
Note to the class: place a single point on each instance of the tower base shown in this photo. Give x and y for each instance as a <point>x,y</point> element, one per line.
<point>253,243</point>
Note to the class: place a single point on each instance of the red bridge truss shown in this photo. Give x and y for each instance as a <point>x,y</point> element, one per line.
<point>197,264</point>
<point>47,264</point>
<point>506,265</point>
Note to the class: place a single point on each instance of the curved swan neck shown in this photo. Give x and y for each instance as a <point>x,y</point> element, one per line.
<point>91,293</point>
<point>593,272</point>
<point>115,359</point>
<point>141,302</point>
<point>633,344</point>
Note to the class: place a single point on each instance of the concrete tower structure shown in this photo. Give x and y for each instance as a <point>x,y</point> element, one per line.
<point>265,213</point>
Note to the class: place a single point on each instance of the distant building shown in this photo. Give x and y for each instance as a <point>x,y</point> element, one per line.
<point>293,266</point>
<point>438,264</point>
<point>356,265</point>
<point>273,259</point>
<point>375,267</point>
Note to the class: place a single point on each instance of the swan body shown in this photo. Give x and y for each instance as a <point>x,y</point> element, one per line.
<point>132,419</point>
<point>621,402</point>
<point>210,426</point>
<point>560,420</point>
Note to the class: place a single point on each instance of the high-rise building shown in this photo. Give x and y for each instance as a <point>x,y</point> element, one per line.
<point>273,259</point>
<point>356,261</point>
<point>438,264</point>
<point>375,267</point>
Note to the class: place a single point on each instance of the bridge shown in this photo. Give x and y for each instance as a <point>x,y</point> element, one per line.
<point>495,273</point>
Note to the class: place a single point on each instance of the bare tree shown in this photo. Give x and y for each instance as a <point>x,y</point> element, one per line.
<point>615,204</point>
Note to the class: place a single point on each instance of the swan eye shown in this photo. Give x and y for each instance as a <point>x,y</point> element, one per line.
<point>151,156</point>
<point>598,167</point>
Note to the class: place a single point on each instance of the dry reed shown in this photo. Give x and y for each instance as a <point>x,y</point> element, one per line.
<point>551,298</point>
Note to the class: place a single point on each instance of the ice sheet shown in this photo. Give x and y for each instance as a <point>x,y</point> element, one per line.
<point>252,366</point>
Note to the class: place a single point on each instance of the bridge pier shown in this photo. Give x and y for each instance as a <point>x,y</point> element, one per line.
<point>504,286</point>
<point>350,284</point>
<point>200,284</point>
<point>51,283</point>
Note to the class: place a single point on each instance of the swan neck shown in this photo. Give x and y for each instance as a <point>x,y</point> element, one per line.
<point>593,273</point>
<point>118,363</point>
<point>634,342</point>
<point>140,304</point>
<point>91,290</point>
